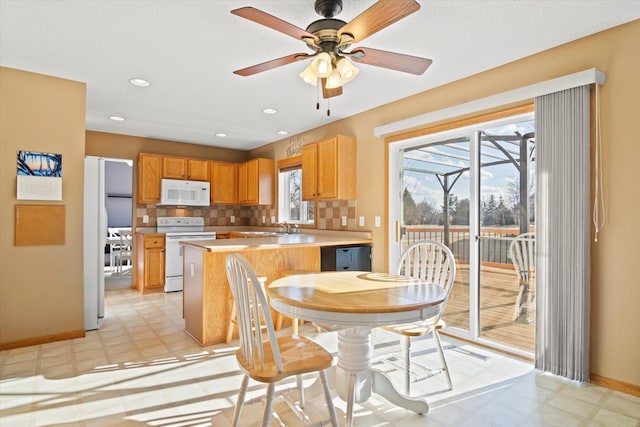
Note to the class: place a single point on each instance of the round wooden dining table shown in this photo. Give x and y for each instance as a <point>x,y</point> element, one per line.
<point>353,303</point>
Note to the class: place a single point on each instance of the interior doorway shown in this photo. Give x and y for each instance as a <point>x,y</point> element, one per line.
<point>118,195</point>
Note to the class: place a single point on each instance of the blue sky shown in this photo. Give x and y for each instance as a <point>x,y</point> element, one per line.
<point>454,155</point>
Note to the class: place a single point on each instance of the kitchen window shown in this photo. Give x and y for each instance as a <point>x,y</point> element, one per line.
<point>291,208</point>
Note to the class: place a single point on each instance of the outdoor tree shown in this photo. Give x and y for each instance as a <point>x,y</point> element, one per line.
<point>409,208</point>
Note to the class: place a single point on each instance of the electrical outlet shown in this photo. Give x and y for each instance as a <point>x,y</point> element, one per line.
<point>232,219</point>
<point>377,221</point>
<point>361,221</point>
<point>264,219</point>
<point>145,219</point>
<point>344,220</point>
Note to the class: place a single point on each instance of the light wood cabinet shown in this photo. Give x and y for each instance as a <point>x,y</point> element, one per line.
<point>150,259</point>
<point>329,169</point>
<point>183,168</point>
<point>223,177</point>
<point>197,170</point>
<point>255,182</point>
<point>149,176</point>
<point>174,167</point>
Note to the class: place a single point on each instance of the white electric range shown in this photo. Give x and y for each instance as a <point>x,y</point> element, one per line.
<point>179,229</point>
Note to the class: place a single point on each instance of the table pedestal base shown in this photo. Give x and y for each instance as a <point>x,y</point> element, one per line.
<point>355,379</point>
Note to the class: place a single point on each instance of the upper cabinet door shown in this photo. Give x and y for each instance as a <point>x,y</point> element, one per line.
<point>255,182</point>
<point>174,167</point>
<point>149,176</point>
<point>197,170</point>
<point>329,169</point>
<point>309,171</point>
<point>242,183</point>
<point>224,182</point>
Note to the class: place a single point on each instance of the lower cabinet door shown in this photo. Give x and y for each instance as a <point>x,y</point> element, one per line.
<point>154,268</point>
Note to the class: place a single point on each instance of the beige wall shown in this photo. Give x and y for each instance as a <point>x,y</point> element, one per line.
<point>615,351</point>
<point>615,283</point>
<point>41,291</point>
<point>103,144</point>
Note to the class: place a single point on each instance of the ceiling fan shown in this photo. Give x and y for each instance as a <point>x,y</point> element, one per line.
<point>330,40</point>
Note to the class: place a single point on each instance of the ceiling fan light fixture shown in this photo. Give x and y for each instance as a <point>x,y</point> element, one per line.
<point>321,65</point>
<point>309,76</point>
<point>347,70</point>
<point>334,80</point>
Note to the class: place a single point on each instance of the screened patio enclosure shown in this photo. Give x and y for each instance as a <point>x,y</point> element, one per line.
<point>442,201</point>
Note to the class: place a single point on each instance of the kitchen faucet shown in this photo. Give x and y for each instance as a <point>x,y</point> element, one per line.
<point>285,226</point>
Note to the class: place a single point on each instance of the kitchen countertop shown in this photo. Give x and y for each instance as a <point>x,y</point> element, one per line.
<point>303,239</point>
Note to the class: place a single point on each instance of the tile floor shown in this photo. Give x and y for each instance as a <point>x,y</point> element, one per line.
<point>140,368</point>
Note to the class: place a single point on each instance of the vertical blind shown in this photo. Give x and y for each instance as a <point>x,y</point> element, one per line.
<point>563,221</point>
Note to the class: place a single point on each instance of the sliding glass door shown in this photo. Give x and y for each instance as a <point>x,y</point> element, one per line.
<point>435,206</point>
<point>506,211</point>
<point>472,189</point>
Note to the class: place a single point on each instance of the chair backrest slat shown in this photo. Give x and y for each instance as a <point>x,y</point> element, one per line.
<point>432,262</point>
<point>522,251</point>
<point>253,312</point>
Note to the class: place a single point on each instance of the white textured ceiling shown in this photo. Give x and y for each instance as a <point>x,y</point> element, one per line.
<point>188,50</point>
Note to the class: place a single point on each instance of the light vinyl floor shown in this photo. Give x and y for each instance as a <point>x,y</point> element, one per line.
<point>141,369</point>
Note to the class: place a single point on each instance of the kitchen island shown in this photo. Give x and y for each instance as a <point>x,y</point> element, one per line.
<point>206,294</point>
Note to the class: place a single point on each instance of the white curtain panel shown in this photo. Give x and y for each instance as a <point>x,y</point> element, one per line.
<point>563,224</point>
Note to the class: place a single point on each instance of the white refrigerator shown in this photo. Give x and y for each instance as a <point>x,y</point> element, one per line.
<point>95,237</point>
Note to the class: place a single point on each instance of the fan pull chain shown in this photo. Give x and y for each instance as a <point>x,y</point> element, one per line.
<point>318,95</point>
<point>328,107</point>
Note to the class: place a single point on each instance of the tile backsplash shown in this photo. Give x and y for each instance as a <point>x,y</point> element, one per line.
<point>329,214</point>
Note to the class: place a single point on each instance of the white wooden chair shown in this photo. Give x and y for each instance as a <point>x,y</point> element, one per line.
<point>433,262</point>
<point>124,253</point>
<point>522,251</point>
<point>271,359</point>
<point>233,317</point>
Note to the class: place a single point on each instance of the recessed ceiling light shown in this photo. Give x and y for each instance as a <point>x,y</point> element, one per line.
<point>282,132</point>
<point>269,110</point>
<point>221,135</point>
<point>139,82</point>
<point>117,118</point>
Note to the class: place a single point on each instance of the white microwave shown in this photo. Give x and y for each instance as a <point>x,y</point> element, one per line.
<point>178,192</point>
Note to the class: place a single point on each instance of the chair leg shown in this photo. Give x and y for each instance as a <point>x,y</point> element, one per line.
<point>443,360</point>
<point>351,399</point>
<point>240,401</point>
<point>300,391</point>
<point>279,318</point>
<point>294,326</point>
<point>516,309</point>
<point>405,351</point>
<point>328,398</point>
<point>231,320</point>
<point>266,417</point>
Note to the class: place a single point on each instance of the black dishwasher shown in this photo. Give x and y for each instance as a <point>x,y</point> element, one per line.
<point>348,257</point>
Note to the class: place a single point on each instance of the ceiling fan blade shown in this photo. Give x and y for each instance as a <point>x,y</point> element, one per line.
<point>329,93</point>
<point>263,18</point>
<point>391,60</point>
<point>379,16</point>
<point>274,63</point>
